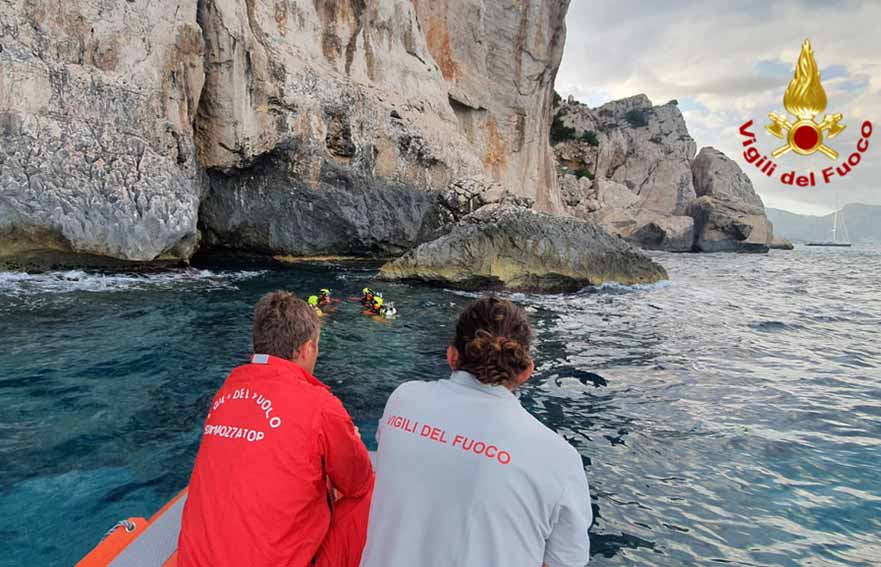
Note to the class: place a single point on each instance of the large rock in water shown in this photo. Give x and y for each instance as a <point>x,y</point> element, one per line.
<point>645,149</point>
<point>524,250</point>
<point>648,185</point>
<point>728,215</point>
<point>780,243</point>
<point>97,101</point>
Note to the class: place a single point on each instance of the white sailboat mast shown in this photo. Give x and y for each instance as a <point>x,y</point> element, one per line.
<point>835,226</point>
<point>835,220</point>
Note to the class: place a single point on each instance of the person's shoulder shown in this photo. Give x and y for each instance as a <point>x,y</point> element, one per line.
<point>327,405</point>
<point>298,383</point>
<point>410,391</point>
<point>550,439</point>
<point>412,388</point>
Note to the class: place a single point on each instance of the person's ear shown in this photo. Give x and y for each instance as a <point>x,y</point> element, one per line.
<point>307,350</point>
<point>453,357</point>
<point>525,375</point>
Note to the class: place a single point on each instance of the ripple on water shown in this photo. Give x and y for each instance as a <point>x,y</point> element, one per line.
<point>729,415</point>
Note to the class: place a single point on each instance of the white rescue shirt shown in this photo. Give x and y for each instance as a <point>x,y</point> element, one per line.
<point>465,477</point>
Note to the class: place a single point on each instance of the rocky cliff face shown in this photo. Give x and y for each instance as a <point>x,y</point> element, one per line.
<point>97,103</point>
<point>499,61</point>
<point>631,167</point>
<point>284,126</point>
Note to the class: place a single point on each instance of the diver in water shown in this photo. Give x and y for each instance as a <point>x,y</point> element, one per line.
<point>313,303</point>
<point>366,297</point>
<point>380,309</point>
<point>324,298</point>
<point>375,306</point>
<point>325,301</point>
<point>389,311</point>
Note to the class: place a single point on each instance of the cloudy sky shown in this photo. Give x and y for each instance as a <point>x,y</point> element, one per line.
<point>726,62</point>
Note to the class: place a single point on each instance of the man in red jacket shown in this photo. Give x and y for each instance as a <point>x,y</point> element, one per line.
<point>274,441</point>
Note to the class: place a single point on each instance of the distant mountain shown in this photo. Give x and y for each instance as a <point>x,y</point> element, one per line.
<point>863,224</point>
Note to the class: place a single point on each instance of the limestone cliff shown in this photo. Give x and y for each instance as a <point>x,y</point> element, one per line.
<point>631,166</point>
<point>728,214</point>
<point>499,60</point>
<point>283,126</point>
<point>97,102</point>
<point>348,126</point>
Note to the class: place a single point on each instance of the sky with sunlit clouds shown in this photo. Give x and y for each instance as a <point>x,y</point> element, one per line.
<point>727,62</point>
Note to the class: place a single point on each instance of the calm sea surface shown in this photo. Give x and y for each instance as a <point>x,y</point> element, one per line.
<point>731,415</point>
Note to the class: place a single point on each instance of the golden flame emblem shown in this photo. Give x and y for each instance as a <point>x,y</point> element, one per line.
<point>805,99</point>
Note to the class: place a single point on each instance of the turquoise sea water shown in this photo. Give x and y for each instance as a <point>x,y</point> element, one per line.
<point>731,415</point>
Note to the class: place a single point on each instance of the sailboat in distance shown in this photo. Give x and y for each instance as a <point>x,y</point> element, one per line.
<point>838,226</point>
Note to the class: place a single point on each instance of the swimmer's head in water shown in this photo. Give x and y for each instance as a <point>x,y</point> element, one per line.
<point>313,300</point>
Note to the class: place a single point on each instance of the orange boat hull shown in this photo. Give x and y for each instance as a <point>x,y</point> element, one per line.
<point>117,541</point>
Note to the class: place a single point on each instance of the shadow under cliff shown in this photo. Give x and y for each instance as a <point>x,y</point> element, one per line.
<point>271,207</point>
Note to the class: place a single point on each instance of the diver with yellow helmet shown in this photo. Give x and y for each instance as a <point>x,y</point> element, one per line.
<point>376,306</point>
<point>324,297</point>
<point>367,297</point>
<point>381,309</point>
<point>313,303</point>
<point>325,301</point>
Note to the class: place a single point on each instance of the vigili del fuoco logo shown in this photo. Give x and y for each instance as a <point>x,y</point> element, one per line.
<point>805,99</point>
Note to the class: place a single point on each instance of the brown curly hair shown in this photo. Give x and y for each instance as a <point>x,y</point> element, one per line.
<point>493,337</point>
<point>282,324</point>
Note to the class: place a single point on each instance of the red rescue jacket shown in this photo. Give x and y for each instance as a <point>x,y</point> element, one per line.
<point>258,493</point>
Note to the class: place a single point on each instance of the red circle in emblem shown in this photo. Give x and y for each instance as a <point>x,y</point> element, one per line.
<point>806,137</point>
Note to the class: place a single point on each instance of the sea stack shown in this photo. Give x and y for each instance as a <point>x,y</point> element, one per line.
<point>634,168</point>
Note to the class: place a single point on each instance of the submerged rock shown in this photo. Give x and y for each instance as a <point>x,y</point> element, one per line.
<point>521,249</point>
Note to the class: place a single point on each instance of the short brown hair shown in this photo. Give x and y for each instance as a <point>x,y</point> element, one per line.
<point>282,324</point>
<point>493,337</point>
